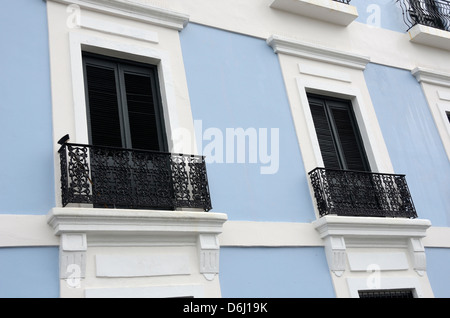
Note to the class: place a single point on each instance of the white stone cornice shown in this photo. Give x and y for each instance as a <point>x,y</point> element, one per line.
<point>122,222</point>
<point>371,227</point>
<point>134,11</point>
<point>318,53</point>
<point>431,77</point>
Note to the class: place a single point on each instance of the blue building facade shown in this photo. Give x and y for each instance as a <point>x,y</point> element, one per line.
<point>238,90</point>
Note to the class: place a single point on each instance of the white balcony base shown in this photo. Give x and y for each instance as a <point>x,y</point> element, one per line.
<point>429,36</point>
<point>324,10</point>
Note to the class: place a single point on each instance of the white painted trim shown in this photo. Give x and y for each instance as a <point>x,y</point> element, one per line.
<point>133,223</point>
<point>269,234</point>
<point>315,52</point>
<point>444,109</point>
<point>433,37</point>
<point>386,261</point>
<point>378,159</point>
<point>436,86</point>
<point>33,230</point>
<point>133,11</point>
<point>371,227</point>
<point>118,29</point>
<point>430,76</point>
<point>326,10</point>
<point>157,264</point>
<point>78,42</point>
<point>324,72</point>
<point>26,230</point>
<point>371,233</point>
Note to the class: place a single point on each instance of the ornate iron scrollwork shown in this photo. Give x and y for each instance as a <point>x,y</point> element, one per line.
<point>137,179</point>
<point>433,13</point>
<point>356,193</point>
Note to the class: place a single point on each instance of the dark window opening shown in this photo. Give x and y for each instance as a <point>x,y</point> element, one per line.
<point>386,293</point>
<point>338,134</point>
<point>123,104</point>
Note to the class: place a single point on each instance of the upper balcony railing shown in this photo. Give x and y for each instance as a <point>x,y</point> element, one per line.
<point>432,13</point>
<point>132,179</point>
<point>343,1</point>
<point>356,193</point>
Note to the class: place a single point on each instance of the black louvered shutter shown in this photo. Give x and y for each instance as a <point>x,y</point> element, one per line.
<point>142,114</point>
<point>324,133</point>
<point>103,105</point>
<point>338,134</point>
<point>124,105</point>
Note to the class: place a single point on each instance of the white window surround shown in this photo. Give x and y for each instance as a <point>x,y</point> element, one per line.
<point>324,10</point>
<point>151,36</point>
<point>137,32</point>
<point>350,242</point>
<point>80,42</point>
<point>436,86</point>
<point>331,73</point>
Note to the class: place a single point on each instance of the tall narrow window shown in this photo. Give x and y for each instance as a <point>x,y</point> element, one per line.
<point>338,134</point>
<point>123,104</point>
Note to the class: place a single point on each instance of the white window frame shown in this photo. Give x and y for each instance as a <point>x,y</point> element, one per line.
<point>436,87</point>
<point>332,73</point>
<point>80,42</point>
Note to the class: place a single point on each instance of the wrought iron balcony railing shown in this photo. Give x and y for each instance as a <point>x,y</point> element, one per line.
<point>432,13</point>
<point>355,193</point>
<point>343,1</point>
<point>126,178</point>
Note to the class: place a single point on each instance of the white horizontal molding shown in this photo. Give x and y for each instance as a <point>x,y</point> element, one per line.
<point>429,36</point>
<point>314,52</point>
<point>324,10</point>
<point>269,234</point>
<point>133,11</point>
<point>134,223</point>
<point>331,225</point>
<point>118,29</point>
<point>429,76</point>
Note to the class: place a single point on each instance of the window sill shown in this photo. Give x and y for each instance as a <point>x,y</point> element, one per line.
<point>425,35</point>
<point>324,10</point>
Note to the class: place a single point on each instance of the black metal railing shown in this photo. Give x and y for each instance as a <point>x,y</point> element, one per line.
<point>356,193</point>
<point>127,178</point>
<point>432,13</point>
<point>343,1</point>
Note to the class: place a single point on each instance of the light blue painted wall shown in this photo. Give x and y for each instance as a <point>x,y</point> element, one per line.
<point>385,14</point>
<point>412,139</point>
<point>274,273</point>
<point>438,264</point>
<point>235,81</point>
<point>29,272</point>
<point>26,160</point>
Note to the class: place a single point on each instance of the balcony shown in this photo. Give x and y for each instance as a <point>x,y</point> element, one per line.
<point>108,177</point>
<point>432,13</point>
<point>428,21</point>
<point>338,12</point>
<point>356,193</point>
